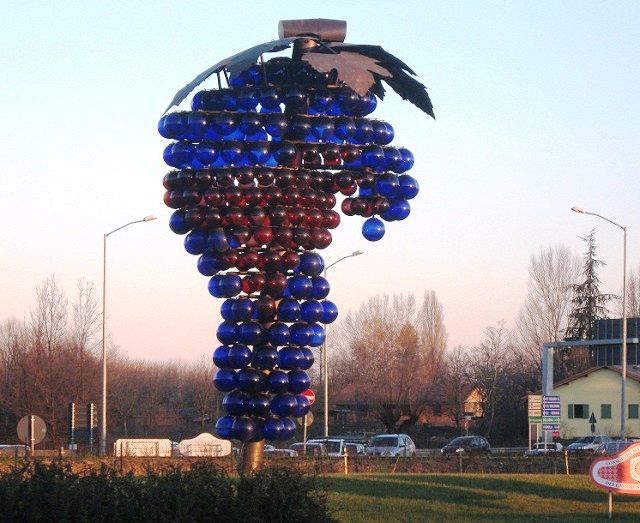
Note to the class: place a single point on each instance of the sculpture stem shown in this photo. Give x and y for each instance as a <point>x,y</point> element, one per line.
<point>251,457</point>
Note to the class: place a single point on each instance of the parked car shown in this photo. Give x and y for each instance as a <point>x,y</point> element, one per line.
<point>335,447</point>
<point>391,445</point>
<point>468,445</point>
<point>541,448</point>
<point>587,445</point>
<point>280,453</point>
<point>311,449</point>
<point>612,447</point>
<point>354,449</point>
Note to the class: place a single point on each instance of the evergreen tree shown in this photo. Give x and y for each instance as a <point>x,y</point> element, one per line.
<point>589,304</point>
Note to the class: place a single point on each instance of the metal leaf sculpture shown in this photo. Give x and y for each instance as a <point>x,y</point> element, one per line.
<point>355,70</point>
<point>234,64</point>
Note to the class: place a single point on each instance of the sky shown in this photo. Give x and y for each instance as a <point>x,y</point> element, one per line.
<point>536,106</point>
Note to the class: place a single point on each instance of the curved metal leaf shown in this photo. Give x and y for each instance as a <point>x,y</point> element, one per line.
<point>355,70</point>
<point>234,64</point>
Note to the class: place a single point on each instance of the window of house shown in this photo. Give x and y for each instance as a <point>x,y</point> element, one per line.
<point>605,411</point>
<point>633,411</point>
<point>578,411</point>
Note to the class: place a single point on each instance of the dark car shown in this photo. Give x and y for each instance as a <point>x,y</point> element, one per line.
<point>467,445</point>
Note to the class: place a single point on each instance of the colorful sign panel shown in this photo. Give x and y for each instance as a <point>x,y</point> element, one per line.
<point>620,472</point>
<point>551,413</point>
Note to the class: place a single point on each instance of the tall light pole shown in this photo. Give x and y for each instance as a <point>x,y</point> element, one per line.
<point>103,425</point>
<point>325,357</point>
<point>623,393</point>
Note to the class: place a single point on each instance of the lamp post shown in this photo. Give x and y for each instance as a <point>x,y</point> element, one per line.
<point>623,393</point>
<point>103,426</point>
<point>325,358</point>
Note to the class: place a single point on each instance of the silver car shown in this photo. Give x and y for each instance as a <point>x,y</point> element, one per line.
<point>391,445</point>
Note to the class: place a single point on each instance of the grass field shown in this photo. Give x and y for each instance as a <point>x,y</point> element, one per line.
<point>474,497</point>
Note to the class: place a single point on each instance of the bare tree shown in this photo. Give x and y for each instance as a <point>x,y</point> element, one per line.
<point>544,315</point>
<point>455,382</point>
<point>633,294</point>
<point>389,354</point>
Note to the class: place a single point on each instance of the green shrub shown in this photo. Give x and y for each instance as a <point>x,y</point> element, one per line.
<point>35,491</point>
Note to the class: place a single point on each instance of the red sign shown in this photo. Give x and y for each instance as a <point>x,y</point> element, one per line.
<point>620,472</point>
<point>310,395</point>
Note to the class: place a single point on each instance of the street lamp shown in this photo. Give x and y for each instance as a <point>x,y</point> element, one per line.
<point>103,428</point>
<point>325,358</point>
<point>623,394</point>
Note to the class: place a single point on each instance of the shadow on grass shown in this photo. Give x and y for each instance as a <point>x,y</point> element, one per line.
<point>382,488</point>
<point>536,488</point>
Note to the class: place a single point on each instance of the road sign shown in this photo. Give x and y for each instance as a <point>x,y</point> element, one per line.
<point>551,413</point>
<point>31,430</point>
<point>310,395</point>
<point>620,472</point>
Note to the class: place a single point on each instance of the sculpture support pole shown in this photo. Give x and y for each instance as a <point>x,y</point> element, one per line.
<point>251,457</point>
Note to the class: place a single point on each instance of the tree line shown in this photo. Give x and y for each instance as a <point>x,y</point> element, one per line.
<point>53,357</point>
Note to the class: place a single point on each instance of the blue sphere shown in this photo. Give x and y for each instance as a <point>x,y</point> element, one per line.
<point>284,404</point>
<point>227,333</point>
<point>277,381</point>
<point>307,358</point>
<point>299,381</point>
<point>226,309</point>
<point>320,288</point>
<point>207,153</point>
<point>257,154</point>
<point>320,101</point>
<point>300,286</point>
<point>382,133</point>
<point>178,223</point>
<point>209,264</point>
<point>406,160</point>
<point>195,241</point>
<point>223,427</point>
<point>398,210</point>
<point>408,186</point>
<point>277,125</point>
<point>311,264</point>
<point>288,310</point>
<point>231,153</point>
<point>259,405</point>
<point>278,333</point>
<point>217,241</point>
<point>373,156</point>
<point>303,406</point>
<point>289,429</point>
<point>244,429</point>
<point>239,356</point>
<point>345,128</point>
<point>250,333</point>
<point>251,380</point>
<point>301,333</point>
<point>225,380</point>
<point>290,357</point>
<point>235,403</point>
<point>224,124</point>
<point>318,335</point>
<point>221,357</point>
<point>330,312</point>
<point>230,285</point>
<point>273,429</point>
<point>265,356</point>
<point>311,311</point>
<point>373,229</point>
<point>270,98</point>
<point>172,125</point>
<point>388,185</point>
<point>247,99</point>
<point>241,309</point>
<point>392,158</point>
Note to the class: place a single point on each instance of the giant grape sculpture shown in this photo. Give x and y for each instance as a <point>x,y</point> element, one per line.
<point>258,165</point>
